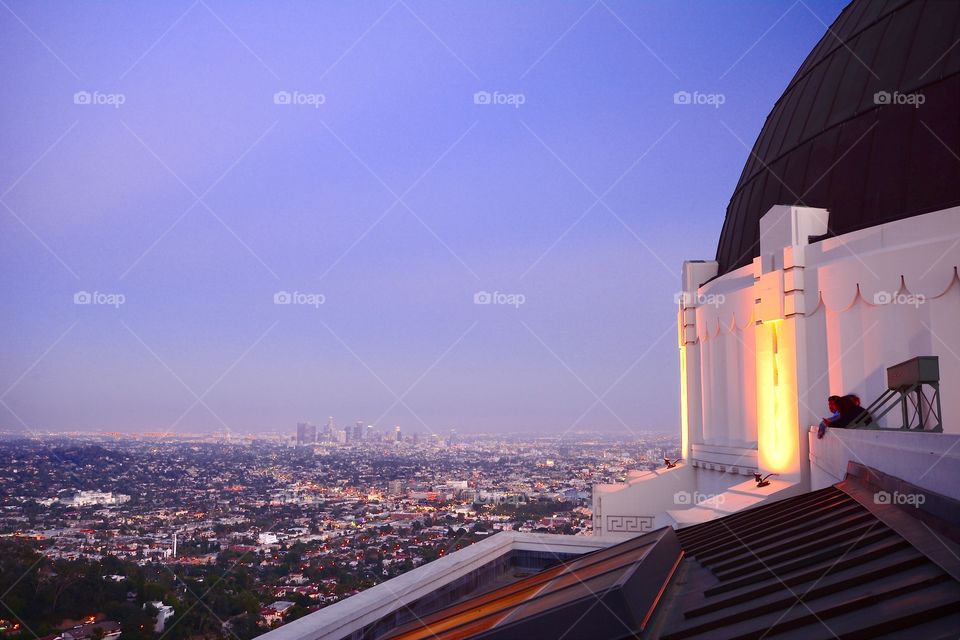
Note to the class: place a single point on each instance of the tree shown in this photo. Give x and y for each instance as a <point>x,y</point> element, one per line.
<point>154,591</point>
<point>66,574</point>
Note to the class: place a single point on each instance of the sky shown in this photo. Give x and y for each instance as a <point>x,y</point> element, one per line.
<point>234,216</point>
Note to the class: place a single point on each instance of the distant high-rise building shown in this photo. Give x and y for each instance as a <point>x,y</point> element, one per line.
<point>358,431</point>
<point>368,435</point>
<point>306,433</point>
<point>327,433</point>
<point>396,434</point>
<point>452,440</point>
<point>395,488</point>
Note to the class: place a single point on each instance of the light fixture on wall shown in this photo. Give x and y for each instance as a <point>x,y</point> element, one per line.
<point>763,481</point>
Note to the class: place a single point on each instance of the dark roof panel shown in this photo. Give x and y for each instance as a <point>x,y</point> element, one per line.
<point>898,47</point>
<point>938,26</point>
<point>820,565</point>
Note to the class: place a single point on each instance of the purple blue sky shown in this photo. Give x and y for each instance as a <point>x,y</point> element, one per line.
<point>397,199</point>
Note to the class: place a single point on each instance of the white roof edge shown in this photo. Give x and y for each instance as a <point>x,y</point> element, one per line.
<point>368,606</point>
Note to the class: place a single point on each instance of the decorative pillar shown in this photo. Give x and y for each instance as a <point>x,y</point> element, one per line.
<point>781,350</point>
<point>694,273</point>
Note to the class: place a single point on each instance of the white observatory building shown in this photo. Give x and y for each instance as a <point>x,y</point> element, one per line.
<point>835,275</point>
<point>837,260</point>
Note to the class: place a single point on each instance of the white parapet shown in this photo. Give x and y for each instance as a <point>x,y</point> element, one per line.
<point>928,460</point>
<point>789,226</point>
<point>348,618</point>
<point>743,495</point>
<point>628,508</point>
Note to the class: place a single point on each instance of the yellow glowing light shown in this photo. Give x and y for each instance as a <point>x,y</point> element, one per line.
<point>777,432</point>
<point>684,424</point>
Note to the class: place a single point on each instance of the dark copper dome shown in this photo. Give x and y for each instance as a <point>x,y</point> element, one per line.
<point>868,128</point>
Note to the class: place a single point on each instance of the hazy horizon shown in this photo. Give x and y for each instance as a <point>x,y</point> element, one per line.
<point>238,217</point>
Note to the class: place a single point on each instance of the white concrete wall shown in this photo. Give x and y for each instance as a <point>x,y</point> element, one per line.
<point>868,300</point>
<point>710,483</point>
<point>802,322</point>
<point>633,505</point>
<point>725,330</point>
<point>853,275</point>
<point>928,460</point>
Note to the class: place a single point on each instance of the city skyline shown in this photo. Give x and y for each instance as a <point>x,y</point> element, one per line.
<point>342,518</point>
<point>413,319</point>
<point>227,218</point>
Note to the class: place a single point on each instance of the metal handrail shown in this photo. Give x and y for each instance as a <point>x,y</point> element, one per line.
<point>918,412</point>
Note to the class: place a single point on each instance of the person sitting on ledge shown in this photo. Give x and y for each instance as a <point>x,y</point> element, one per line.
<point>849,411</point>
<point>833,404</point>
<point>856,413</point>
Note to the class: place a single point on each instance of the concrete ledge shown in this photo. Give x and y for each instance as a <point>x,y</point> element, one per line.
<point>736,498</point>
<point>629,508</point>
<point>928,460</point>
